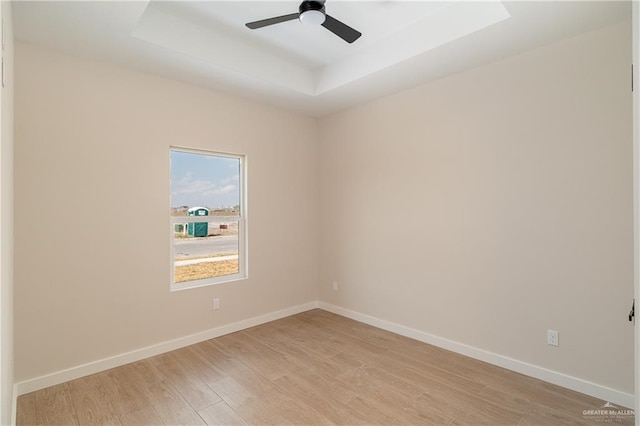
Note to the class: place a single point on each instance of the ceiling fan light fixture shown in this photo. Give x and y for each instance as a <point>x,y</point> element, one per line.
<point>312,17</point>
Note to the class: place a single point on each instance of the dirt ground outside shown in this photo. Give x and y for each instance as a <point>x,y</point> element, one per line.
<point>203,270</point>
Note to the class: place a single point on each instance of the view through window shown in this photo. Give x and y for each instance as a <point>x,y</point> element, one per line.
<point>207,220</point>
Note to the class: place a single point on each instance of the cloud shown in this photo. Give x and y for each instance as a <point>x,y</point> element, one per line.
<point>205,191</point>
<point>234,178</point>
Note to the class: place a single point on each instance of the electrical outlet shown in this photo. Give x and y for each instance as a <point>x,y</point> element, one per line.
<point>553,338</point>
<point>335,286</point>
<point>216,303</point>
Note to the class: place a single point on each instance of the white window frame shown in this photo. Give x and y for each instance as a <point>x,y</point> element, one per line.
<point>241,218</point>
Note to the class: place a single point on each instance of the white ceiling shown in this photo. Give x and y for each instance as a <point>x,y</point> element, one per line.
<point>299,67</point>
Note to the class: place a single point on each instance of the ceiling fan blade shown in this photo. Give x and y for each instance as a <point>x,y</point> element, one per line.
<point>343,31</point>
<point>272,21</point>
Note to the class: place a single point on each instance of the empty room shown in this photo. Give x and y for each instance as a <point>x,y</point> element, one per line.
<point>310,212</point>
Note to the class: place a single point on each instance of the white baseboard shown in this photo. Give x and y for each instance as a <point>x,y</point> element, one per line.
<point>142,353</point>
<point>14,405</point>
<point>560,379</point>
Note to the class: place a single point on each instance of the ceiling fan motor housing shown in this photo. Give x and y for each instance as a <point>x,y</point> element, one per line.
<point>308,5</point>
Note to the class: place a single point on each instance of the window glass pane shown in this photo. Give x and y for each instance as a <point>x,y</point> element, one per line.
<point>203,180</point>
<point>199,258</point>
<point>208,187</point>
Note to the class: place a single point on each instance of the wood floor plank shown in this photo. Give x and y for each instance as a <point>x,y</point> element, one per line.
<point>327,403</point>
<point>144,416</point>
<point>392,395</point>
<point>401,351</point>
<point>311,339</point>
<point>321,376</point>
<point>481,372</point>
<point>319,373</point>
<point>235,394</point>
<point>143,372</point>
<point>297,413</point>
<point>221,414</point>
<point>425,373</point>
<point>222,364</point>
<point>54,406</point>
<point>549,418</point>
<point>256,355</point>
<point>26,410</point>
<point>532,411</point>
<point>192,388</point>
<point>299,358</point>
<point>377,414</point>
<point>236,369</point>
<point>266,403</point>
<point>170,406</point>
<point>256,405</point>
<point>553,397</point>
<point>452,409</point>
<point>373,335</point>
<point>205,366</point>
<point>91,402</point>
<point>341,341</point>
<point>202,366</point>
<point>123,391</point>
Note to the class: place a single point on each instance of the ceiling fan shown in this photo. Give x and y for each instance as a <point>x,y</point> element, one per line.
<point>312,12</point>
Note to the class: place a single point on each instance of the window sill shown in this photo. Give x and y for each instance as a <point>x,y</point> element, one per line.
<point>187,285</point>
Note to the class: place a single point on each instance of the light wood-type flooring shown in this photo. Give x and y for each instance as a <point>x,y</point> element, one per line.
<point>311,368</point>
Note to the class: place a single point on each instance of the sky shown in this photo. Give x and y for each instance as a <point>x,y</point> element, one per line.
<point>204,180</point>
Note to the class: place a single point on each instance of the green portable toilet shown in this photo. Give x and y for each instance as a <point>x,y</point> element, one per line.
<point>198,229</point>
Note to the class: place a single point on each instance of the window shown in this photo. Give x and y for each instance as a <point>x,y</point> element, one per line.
<point>207,218</point>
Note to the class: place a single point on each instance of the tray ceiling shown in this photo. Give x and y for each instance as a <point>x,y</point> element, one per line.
<point>301,67</point>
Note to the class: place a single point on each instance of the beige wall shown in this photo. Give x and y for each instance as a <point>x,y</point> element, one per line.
<point>6,222</point>
<point>92,204</point>
<point>492,205</point>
